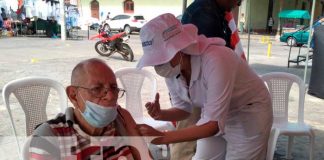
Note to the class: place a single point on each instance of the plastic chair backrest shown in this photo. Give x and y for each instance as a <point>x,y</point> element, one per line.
<point>279,85</point>
<point>132,81</point>
<point>32,94</point>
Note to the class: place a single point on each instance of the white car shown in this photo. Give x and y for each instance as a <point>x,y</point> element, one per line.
<point>125,22</point>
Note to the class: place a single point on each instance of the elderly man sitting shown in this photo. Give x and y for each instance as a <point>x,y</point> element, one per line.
<point>93,93</point>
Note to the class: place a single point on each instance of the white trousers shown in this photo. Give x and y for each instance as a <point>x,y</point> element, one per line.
<point>245,136</point>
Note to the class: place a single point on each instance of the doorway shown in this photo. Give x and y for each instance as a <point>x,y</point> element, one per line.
<point>94,6</point>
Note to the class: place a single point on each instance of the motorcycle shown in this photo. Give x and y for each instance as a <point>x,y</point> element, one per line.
<point>111,43</point>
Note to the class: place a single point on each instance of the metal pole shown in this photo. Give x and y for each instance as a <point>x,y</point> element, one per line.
<point>62,19</point>
<point>279,21</point>
<point>249,28</point>
<point>309,39</point>
<point>184,6</point>
<point>80,3</point>
<point>88,32</point>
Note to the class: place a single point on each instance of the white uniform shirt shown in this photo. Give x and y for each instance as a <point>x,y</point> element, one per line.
<point>221,84</point>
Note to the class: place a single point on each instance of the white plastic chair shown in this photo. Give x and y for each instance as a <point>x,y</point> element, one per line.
<point>32,94</point>
<point>272,142</point>
<point>132,81</point>
<point>279,85</point>
<point>26,146</point>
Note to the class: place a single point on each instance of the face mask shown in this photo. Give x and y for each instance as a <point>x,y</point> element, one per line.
<point>97,115</point>
<point>167,71</point>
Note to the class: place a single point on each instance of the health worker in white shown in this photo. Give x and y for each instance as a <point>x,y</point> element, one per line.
<point>236,112</point>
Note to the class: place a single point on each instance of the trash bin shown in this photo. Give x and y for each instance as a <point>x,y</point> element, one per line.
<point>316,84</point>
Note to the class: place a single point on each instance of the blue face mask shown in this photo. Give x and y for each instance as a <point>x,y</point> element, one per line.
<point>99,116</point>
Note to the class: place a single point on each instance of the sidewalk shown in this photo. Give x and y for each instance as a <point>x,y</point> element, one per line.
<point>256,36</point>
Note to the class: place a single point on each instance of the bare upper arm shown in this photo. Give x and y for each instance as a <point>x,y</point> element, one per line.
<point>130,123</point>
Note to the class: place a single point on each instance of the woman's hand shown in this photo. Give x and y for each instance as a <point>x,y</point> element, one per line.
<point>146,130</point>
<point>153,108</point>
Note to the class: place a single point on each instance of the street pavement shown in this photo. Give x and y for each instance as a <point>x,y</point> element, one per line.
<point>53,58</point>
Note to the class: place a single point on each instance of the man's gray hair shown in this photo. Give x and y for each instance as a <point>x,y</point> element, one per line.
<point>80,70</point>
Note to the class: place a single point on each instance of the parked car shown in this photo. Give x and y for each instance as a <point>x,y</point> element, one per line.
<point>125,22</point>
<point>299,37</point>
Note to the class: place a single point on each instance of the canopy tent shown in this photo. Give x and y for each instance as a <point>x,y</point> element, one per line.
<point>294,14</point>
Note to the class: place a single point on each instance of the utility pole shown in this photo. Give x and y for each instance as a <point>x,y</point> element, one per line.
<point>62,19</point>
<point>279,22</point>
<point>184,6</point>
<point>249,30</point>
<point>311,29</point>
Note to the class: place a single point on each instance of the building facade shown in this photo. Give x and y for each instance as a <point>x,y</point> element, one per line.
<point>148,8</point>
<point>261,10</point>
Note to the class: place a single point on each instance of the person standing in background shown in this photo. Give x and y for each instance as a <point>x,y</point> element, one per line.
<point>270,25</point>
<point>1,22</point>
<point>242,22</point>
<point>3,14</point>
<point>3,18</point>
<point>108,16</point>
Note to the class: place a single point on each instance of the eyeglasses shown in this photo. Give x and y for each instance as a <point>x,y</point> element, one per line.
<point>101,91</point>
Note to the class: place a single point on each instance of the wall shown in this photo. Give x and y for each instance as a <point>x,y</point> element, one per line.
<point>259,10</point>
<point>152,8</point>
<point>148,8</point>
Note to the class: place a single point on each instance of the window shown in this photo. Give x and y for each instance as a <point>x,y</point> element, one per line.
<point>94,5</point>
<point>125,17</point>
<point>138,17</point>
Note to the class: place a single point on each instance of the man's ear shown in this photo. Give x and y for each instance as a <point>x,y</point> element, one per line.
<point>72,93</point>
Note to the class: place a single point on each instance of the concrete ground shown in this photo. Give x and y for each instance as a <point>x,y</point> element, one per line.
<point>53,58</point>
